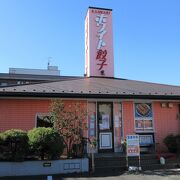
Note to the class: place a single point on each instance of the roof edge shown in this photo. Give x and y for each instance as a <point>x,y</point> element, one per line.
<point>107,9</point>
<point>97,96</point>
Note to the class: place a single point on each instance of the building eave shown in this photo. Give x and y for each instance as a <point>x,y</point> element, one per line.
<point>83,95</point>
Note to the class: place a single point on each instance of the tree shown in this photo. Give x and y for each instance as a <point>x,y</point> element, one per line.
<point>69,119</point>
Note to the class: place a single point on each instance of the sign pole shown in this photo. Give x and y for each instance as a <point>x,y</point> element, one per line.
<point>133,149</point>
<point>93,165</point>
<point>139,162</point>
<point>127,164</point>
<point>126,154</point>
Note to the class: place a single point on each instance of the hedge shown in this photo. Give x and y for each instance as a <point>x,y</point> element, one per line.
<point>46,143</point>
<point>14,145</point>
<point>173,143</point>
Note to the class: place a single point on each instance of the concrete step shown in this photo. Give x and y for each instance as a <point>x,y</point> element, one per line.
<point>123,168</point>
<point>103,169</point>
<point>110,164</point>
<point>123,161</point>
<point>159,166</point>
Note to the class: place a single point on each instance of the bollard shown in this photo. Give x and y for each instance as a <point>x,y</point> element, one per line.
<point>162,161</point>
<point>49,177</point>
<point>93,165</point>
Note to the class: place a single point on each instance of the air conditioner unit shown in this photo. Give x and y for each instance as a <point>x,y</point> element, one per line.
<point>163,105</point>
<point>170,105</point>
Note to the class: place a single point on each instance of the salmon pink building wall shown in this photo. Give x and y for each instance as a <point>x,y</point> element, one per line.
<point>21,113</point>
<point>166,122</point>
<point>128,117</point>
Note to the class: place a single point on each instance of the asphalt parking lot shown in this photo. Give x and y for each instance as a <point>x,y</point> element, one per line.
<point>172,174</point>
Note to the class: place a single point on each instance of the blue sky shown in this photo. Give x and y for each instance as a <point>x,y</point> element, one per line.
<point>146,36</point>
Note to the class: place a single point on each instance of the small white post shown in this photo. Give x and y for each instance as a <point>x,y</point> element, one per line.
<point>93,165</point>
<point>140,163</point>
<point>49,177</point>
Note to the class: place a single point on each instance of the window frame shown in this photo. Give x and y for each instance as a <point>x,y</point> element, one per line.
<point>40,114</point>
<point>151,119</point>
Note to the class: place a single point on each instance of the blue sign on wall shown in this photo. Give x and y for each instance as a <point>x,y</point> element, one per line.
<point>145,140</point>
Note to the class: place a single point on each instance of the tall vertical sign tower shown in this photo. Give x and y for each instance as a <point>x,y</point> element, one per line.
<point>99,60</point>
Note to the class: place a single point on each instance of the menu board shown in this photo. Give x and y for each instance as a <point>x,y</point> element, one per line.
<point>145,140</point>
<point>105,124</point>
<point>92,125</point>
<point>133,145</point>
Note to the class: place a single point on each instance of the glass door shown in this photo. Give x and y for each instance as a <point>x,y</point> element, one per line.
<point>105,127</point>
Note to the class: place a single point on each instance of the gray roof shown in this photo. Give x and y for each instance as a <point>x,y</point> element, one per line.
<point>95,87</point>
<point>7,76</point>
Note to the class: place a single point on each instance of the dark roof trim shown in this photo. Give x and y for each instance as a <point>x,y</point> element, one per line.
<point>97,96</point>
<point>90,7</point>
<point>35,77</point>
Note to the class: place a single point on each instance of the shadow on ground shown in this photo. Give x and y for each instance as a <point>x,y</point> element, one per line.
<point>161,173</point>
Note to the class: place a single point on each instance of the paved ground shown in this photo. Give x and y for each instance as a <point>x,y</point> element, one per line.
<point>173,174</point>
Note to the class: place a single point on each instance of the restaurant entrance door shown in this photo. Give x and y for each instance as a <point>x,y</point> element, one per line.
<point>105,127</point>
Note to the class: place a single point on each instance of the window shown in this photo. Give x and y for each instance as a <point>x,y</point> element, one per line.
<point>143,117</point>
<point>44,120</point>
<point>92,125</point>
<point>92,119</point>
<point>146,140</point>
<point>118,127</point>
<point>3,84</point>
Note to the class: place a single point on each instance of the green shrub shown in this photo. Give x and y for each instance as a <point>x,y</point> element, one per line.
<point>14,144</point>
<point>46,142</point>
<point>1,146</point>
<point>171,142</point>
<point>178,143</point>
<point>1,138</point>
